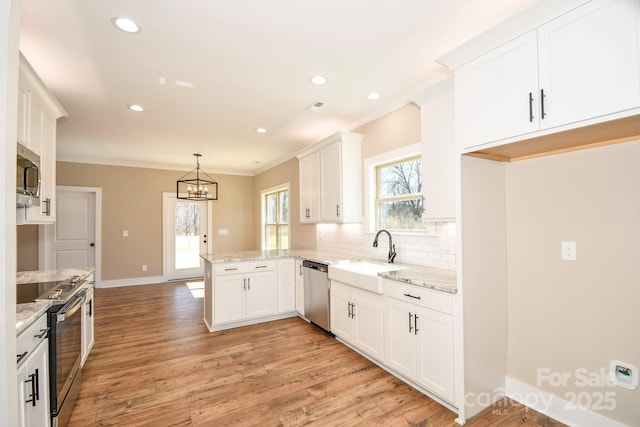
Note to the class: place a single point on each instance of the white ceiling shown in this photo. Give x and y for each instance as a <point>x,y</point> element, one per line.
<point>209,72</point>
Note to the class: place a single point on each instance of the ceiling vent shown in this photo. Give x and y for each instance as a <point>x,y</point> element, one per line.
<point>315,106</point>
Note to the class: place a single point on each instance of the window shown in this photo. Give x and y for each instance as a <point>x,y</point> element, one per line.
<point>399,201</point>
<point>276,219</point>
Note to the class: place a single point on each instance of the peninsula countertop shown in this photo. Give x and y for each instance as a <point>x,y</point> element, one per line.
<point>426,277</point>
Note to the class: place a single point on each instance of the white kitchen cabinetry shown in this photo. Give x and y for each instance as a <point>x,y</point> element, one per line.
<point>87,324</point>
<point>241,292</point>
<point>299,287</point>
<point>419,337</point>
<point>33,376</point>
<point>286,285</point>
<point>309,171</point>
<point>357,318</point>
<point>340,191</point>
<point>438,151</point>
<point>581,66</point>
<point>38,112</point>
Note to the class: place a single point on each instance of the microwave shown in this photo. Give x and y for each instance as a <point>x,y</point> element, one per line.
<point>27,177</point>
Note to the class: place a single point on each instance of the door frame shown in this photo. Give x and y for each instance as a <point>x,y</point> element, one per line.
<point>46,234</point>
<point>165,238</point>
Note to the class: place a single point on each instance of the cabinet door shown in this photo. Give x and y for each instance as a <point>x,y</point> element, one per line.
<point>23,116</point>
<point>342,324</point>
<point>229,299</point>
<point>435,352</point>
<point>299,287</point>
<point>589,62</point>
<point>438,156</point>
<point>309,171</point>
<point>330,183</point>
<point>286,285</point>
<point>208,294</point>
<point>33,388</point>
<point>401,350</point>
<point>87,325</point>
<point>493,93</point>
<point>260,294</point>
<point>369,328</point>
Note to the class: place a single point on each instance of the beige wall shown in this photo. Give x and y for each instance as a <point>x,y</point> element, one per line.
<point>568,315</point>
<point>391,131</point>
<point>302,236</point>
<point>132,200</point>
<point>27,247</point>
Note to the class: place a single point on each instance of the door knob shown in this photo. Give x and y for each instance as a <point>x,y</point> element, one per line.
<point>92,244</point>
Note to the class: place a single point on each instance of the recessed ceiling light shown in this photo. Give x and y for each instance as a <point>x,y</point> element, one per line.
<point>126,24</point>
<point>374,96</point>
<point>318,80</point>
<point>261,130</point>
<point>135,107</point>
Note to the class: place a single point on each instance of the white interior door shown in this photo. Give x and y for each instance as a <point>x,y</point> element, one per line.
<point>75,234</point>
<point>185,233</point>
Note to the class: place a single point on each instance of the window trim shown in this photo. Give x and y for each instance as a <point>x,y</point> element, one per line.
<point>370,165</point>
<point>263,214</point>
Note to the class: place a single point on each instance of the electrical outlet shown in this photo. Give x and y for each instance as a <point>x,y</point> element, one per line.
<point>125,233</point>
<point>144,267</point>
<point>568,251</point>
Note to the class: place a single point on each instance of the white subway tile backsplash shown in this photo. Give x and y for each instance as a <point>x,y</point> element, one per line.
<point>435,248</point>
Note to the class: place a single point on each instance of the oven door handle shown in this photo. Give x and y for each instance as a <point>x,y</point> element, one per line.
<point>70,309</point>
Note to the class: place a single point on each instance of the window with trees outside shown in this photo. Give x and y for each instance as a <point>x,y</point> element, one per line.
<point>276,219</point>
<point>399,201</point>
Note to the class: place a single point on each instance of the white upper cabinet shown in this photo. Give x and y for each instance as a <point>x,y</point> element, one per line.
<point>309,171</point>
<point>589,62</point>
<point>493,93</point>
<point>438,151</point>
<point>578,69</point>
<point>38,112</point>
<point>338,189</point>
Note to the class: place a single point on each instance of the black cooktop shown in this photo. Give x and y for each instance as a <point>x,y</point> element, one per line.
<point>59,291</point>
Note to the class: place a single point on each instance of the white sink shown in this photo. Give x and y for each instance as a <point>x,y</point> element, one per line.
<point>362,274</point>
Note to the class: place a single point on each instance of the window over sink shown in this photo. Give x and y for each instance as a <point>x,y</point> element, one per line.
<point>399,203</point>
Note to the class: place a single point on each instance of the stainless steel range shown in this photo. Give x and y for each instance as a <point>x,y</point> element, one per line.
<point>65,345</point>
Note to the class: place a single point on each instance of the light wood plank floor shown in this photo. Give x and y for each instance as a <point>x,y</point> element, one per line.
<point>155,364</point>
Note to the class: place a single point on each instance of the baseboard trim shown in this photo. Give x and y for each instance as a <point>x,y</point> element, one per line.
<point>130,282</point>
<point>555,407</point>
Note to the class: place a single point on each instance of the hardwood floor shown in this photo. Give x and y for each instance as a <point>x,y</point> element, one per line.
<point>155,363</point>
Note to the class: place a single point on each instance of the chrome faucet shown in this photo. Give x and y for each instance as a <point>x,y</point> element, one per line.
<point>392,247</point>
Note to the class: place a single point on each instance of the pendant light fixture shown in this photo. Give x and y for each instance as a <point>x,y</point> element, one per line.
<point>197,185</point>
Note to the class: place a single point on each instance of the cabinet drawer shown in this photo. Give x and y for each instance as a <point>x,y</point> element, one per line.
<point>429,298</point>
<point>31,337</point>
<point>243,267</point>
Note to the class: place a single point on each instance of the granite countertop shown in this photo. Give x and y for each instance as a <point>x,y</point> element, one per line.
<point>29,312</point>
<point>51,275</point>
<point>426,277</point>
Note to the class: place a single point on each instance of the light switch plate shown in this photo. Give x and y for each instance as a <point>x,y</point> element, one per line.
<point>568,251</point>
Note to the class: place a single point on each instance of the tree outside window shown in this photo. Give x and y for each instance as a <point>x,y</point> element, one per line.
<point>276,225</point>
<point>399,201</point>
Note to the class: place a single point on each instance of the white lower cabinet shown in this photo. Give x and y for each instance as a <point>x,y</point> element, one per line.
<point>357,318</point>
<point>419,339</point>
<point>33,376</point>
<point>244,296</point>
<point>286,285</point>
<point>299,279</point>
<point>87,325</point>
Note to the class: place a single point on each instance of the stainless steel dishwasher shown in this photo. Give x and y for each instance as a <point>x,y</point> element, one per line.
<point>316,293</point>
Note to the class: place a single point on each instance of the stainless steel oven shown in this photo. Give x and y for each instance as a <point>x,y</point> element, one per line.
<point>65,341</point>
<point>65,349</point>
